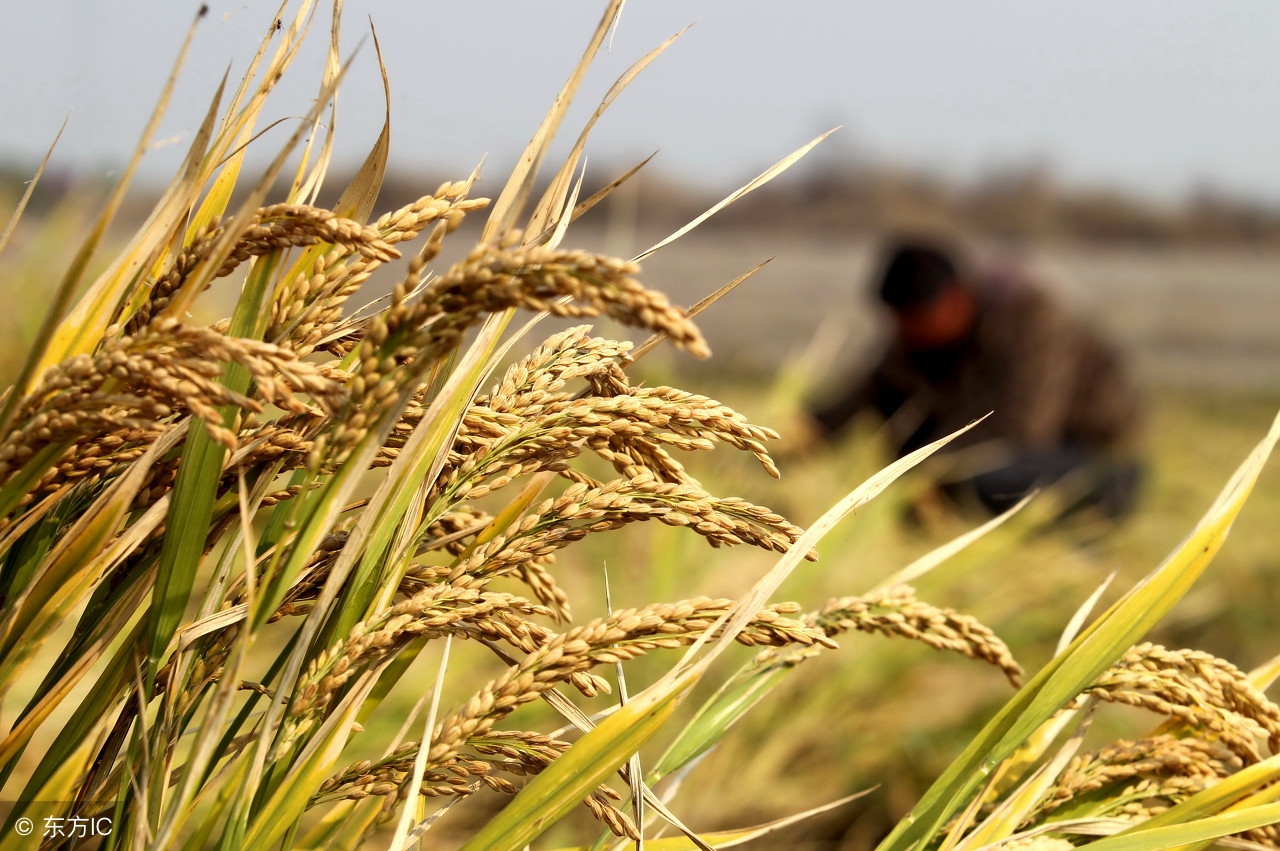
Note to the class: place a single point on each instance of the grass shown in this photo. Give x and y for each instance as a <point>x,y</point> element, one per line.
<point>309,576</point>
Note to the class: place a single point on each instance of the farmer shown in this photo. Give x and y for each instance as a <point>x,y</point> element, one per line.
<point>967,343</point>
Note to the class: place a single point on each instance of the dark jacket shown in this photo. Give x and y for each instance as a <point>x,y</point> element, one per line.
<point>1046,378</point>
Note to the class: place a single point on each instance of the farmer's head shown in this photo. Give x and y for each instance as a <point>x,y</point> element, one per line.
<point>933,304</point>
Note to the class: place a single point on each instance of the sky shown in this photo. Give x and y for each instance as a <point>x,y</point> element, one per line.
<point>1150,96</point>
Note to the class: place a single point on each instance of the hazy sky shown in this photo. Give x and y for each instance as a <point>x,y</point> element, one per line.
<point>1151,95</point>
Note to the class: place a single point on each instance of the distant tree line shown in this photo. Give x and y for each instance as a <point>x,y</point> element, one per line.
<point>1015,203</point>
<point>831,196</point>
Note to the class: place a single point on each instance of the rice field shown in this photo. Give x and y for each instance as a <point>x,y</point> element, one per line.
<point>308,574</point>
